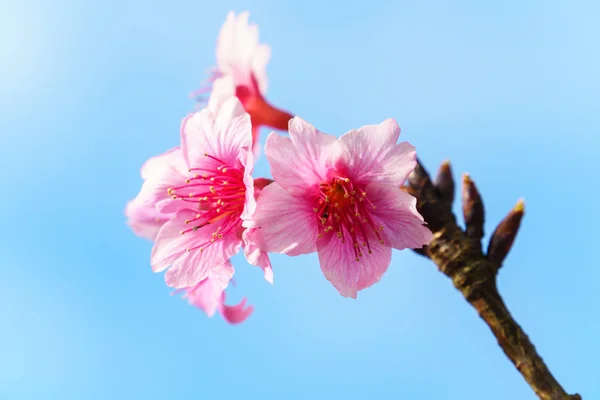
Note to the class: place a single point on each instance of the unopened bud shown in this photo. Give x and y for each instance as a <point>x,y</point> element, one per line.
<point>444,182</point>
<point>505,233</point>
<point>472,208</point>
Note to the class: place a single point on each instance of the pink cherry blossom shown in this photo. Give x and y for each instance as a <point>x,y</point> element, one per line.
<point>204,191</point>
<point>341,198</point>
<point>241,72</point>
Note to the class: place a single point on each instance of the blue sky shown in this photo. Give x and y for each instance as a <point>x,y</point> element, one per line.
<point>508,91</point>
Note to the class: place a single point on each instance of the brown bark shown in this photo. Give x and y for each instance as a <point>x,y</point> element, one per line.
<point>459,255</point>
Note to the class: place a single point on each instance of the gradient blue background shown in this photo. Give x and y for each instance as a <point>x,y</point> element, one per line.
<point>510,92</point>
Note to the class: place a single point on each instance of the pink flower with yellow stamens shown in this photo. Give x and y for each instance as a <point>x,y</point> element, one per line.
<point>241,72</point>
<point>341,198</point>
<point>206,190</point>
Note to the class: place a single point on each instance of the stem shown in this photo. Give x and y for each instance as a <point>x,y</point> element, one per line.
<point>460,257</point>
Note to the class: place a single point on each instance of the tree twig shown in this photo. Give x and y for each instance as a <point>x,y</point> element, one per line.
<point>459,255</point>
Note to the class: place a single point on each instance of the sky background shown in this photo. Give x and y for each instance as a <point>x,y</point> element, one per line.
<point>508,91</point>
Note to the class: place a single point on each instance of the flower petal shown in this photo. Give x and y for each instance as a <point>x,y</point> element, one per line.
<point>190,267</point>
<point>372,154</point>
<point>302,161</point>
<point>154,167</point>
<point>207,295</point>
<point>143,219</point>
<point>160,173</point>
<point>397,212</point>
<point>219,135</point>
<point>235,314</point>
<point>239,53</point>
<point>286,224</point>
<point>348,276</point>
<point>223,88</point>
<point>254,255</point>
<point>247,158</point>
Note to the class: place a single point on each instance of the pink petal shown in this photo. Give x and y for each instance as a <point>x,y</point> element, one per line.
<point>260,59</point>
<point>160,173</point>
<point>286,224</point>
<point>348,276</point>
<point>219,135</point>
<point>239,53</point>
<point>223,88</point>
<point>236,314</point>
<point>255,255</point>
<point>397,212</point>
<point>301,162</point>
<point>190,267</point>
<point>207,295</point>
<point>143,219</point>
<point>372,154</point>
<point>247,159</point>
<point>171,159</point>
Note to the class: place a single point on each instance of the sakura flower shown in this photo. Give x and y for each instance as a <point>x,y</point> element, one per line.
<point>241,72</point>
<point>209,295</point>
<point>341,198</point>
<point>206,190</point>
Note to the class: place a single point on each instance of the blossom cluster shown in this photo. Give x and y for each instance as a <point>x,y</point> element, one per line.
<point>340,197</point>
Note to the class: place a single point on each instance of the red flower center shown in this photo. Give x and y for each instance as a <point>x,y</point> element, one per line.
<point>218,193</point>
<point>344,207</point>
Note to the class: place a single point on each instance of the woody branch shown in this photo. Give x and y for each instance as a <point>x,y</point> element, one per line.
<point>459,255</point>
